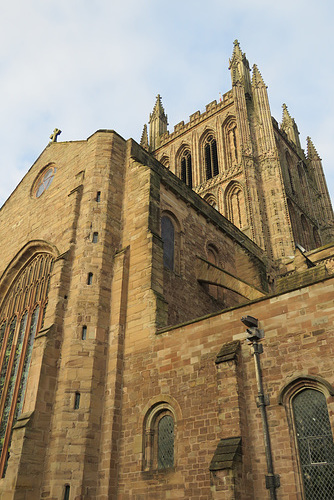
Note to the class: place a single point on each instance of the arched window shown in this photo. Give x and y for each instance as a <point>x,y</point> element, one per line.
<point>168,239</point>
<point>186,168</point>
<point>21,317</point>
<point>211,157</point>
<point>211,199</point>
<point>231,143</point>
<point>159,437</point>
<point>315,443</point>
<point>165,161</point>
<point>235,205</point>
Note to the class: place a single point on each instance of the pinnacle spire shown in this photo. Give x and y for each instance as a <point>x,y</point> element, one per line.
<point>289,126</point>
<point>257,77</point>
<point>144,138</point>
<point>312,153</point>
<point>286,118</point>
<point>239,67</point>
<point>158,107</point>
<point>158,123</point>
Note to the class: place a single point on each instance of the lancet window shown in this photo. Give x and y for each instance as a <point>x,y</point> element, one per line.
<point>186,168</point>
<point>21,317</point>
<point>211,157</point>
<point>168,239</point>
<point>235,202</point>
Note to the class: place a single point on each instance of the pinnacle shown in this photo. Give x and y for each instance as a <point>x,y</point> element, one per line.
<point>144,138</point>
<point>158,105</point>
<point>237,53</point>
<point>286,115</point>
<point>257,77</point>
<point>311,151</point>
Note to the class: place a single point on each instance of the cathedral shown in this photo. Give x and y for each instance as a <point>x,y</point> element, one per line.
<point>167,312</point>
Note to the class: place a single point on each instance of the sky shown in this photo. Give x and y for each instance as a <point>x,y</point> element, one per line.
<point>83,65</point>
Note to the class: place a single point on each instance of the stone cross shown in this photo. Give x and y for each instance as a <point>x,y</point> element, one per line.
<point>55,134</point>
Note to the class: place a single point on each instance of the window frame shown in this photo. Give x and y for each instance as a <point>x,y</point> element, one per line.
<point>150,437</point>
<point>287,394</point>
<point>27,293</point>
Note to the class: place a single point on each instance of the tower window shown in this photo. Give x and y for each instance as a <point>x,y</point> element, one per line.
<point>95,237</point>
<point>98,196</point>
<point>186,169</point>
<point>211,157</point>
<point>90,279</point>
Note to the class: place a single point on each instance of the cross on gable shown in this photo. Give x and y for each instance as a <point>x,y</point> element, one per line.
<point>55,134</point>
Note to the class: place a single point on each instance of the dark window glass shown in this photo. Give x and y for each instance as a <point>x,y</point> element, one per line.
<point>98,196</point>
<point>186,169</point>
<point>90,279</point>
<point>166,442</point>
<point>84,332</point>
<point>315,444</point>
<point>95,237</point>
<point>67,492</point>
<point>168,239</point>
<point>211,158</point>
<point>77,401</point>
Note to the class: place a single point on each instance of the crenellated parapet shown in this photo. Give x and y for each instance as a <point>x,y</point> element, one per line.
<point>197,118</point>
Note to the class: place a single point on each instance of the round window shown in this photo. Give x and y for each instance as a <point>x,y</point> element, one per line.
<point>44,181</point>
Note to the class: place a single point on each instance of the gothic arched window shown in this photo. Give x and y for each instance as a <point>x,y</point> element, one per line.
<point>236,207</point>
<point>168,239</point>
<point>186,168</point>
<point>21,317</point>
<point>159,437</point>
<point>231,143</point>
<point>315,443</point>
<point>211,157</point>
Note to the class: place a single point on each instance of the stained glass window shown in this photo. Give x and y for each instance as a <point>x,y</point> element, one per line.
<point>315,444</point>
<point>21,316</point>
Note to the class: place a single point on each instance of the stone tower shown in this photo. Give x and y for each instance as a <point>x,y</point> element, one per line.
<point>253,171</point>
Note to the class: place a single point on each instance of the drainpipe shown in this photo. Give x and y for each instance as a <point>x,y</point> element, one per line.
<point>254,334</point>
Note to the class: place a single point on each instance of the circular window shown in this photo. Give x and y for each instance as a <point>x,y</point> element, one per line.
<point>44,181</point>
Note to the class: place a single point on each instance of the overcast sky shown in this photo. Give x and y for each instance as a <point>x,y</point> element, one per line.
<point>83,65</point>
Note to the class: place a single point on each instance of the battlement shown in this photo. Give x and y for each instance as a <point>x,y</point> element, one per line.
<point>197,117</point>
